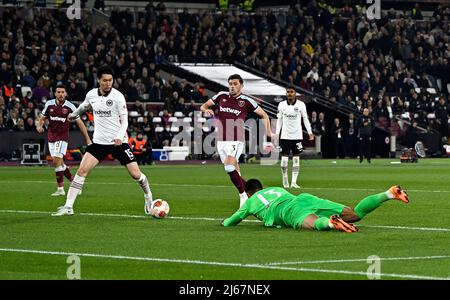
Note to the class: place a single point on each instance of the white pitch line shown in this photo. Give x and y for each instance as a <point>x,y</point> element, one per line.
<point>225,264</point>
<point>211,219</point>
<point>223,186</point>
<point>356,260</point>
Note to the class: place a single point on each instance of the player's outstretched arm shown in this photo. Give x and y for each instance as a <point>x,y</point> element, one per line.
<point>263,115</point>
<point>84,131</point>
<point>40,127</point>
<point>307,123</point>
<point>237,217</point>
<point>206,108</point>
<point>85,106</point>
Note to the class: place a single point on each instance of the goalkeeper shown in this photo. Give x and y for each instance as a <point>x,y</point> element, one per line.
<point>275,206</point>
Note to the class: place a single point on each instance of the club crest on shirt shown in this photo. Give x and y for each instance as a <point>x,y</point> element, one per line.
<point>109,102</point>
<point>65,110</point>
<point>296,109</point>
<point>241,103</point>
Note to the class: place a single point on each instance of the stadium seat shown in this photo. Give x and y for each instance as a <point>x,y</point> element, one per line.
<point>157,120</point>
<point>417,90</point>
<point>174,129</point>
<point>406,116</point>
<point>206,129</point>
<point>159,129</point>
<point>439,83</point>
<point>431,116</point>
<point>140,120</point>
<point>431,90</point>
<point>145,96</point>
<point>187,120</point>
<point>178,114</point>
<point>133,114</point>
<point>173,119</point>
<point>189,129</point>
<point>25,90</point>
<point>201,120</point>
<point>448,87</point>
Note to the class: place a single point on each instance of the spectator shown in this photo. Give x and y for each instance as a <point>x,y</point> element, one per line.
<point>29,125</point>
<point>2,122</point>
<point>12,123</point>
<point>338,138</point>
<point>442,112</point>
<point>40,92</point>
<point>350,136</point>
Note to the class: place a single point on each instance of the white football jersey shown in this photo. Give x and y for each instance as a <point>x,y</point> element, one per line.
<point>290,120</point>
<point>107,110</point>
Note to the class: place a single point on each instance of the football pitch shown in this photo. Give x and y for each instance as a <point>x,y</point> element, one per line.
<point>113,239</point>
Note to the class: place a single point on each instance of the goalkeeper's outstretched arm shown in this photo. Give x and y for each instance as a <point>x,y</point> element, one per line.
<point>85,106</point>
<point>237,217</point>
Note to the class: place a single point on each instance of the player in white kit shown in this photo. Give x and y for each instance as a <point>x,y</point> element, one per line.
<point>291,112</point>
<point>110,137</point>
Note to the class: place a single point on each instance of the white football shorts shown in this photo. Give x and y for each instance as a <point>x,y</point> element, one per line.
<point>58,148</point>
<point>230,148</point>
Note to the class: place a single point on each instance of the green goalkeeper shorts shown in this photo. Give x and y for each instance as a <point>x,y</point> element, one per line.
<point>295,212</point>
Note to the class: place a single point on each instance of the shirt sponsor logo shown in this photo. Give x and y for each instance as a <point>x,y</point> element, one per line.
<point>103,113</point>
<point>292,117</point>
<point>58,119</point>
<point>230,110</point>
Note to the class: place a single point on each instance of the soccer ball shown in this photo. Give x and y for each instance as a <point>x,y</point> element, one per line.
<point>160,209</point>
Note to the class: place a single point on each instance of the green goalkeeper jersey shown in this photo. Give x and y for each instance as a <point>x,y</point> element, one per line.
<point>264,205</point>
<point>277,207</point>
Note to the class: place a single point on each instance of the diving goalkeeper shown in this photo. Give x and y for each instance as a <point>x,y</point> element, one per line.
<point>275,206</point>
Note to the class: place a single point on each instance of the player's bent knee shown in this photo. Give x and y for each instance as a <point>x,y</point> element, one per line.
<point>134,171</point>
<point>230,168</point>
<point>136,176</point>
<point>308,222</point>
<point>349,215</point>
<point>82,172</point>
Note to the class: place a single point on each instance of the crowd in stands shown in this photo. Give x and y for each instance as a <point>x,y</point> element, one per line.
<point>396,66</point>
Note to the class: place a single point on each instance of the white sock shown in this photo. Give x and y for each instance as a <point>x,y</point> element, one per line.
<point>329,224</point>
<point>60,188</point>
<point>242,198</point>
<point>284,169</point>
<point>389,194</point>
<point>143,183</point>
<point>295,168</point>
<point>75,188</point>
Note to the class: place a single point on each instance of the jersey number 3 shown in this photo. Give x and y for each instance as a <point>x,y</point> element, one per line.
<point>269,192</point>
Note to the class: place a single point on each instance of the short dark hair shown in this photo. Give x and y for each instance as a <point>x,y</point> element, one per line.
<point>253,185</point>
<point>60,86</point>
<point>236,76</point>
<point>105,69</point>
<point>290,87</point>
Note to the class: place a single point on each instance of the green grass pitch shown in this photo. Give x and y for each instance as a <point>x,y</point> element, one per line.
<point>115,240</point>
